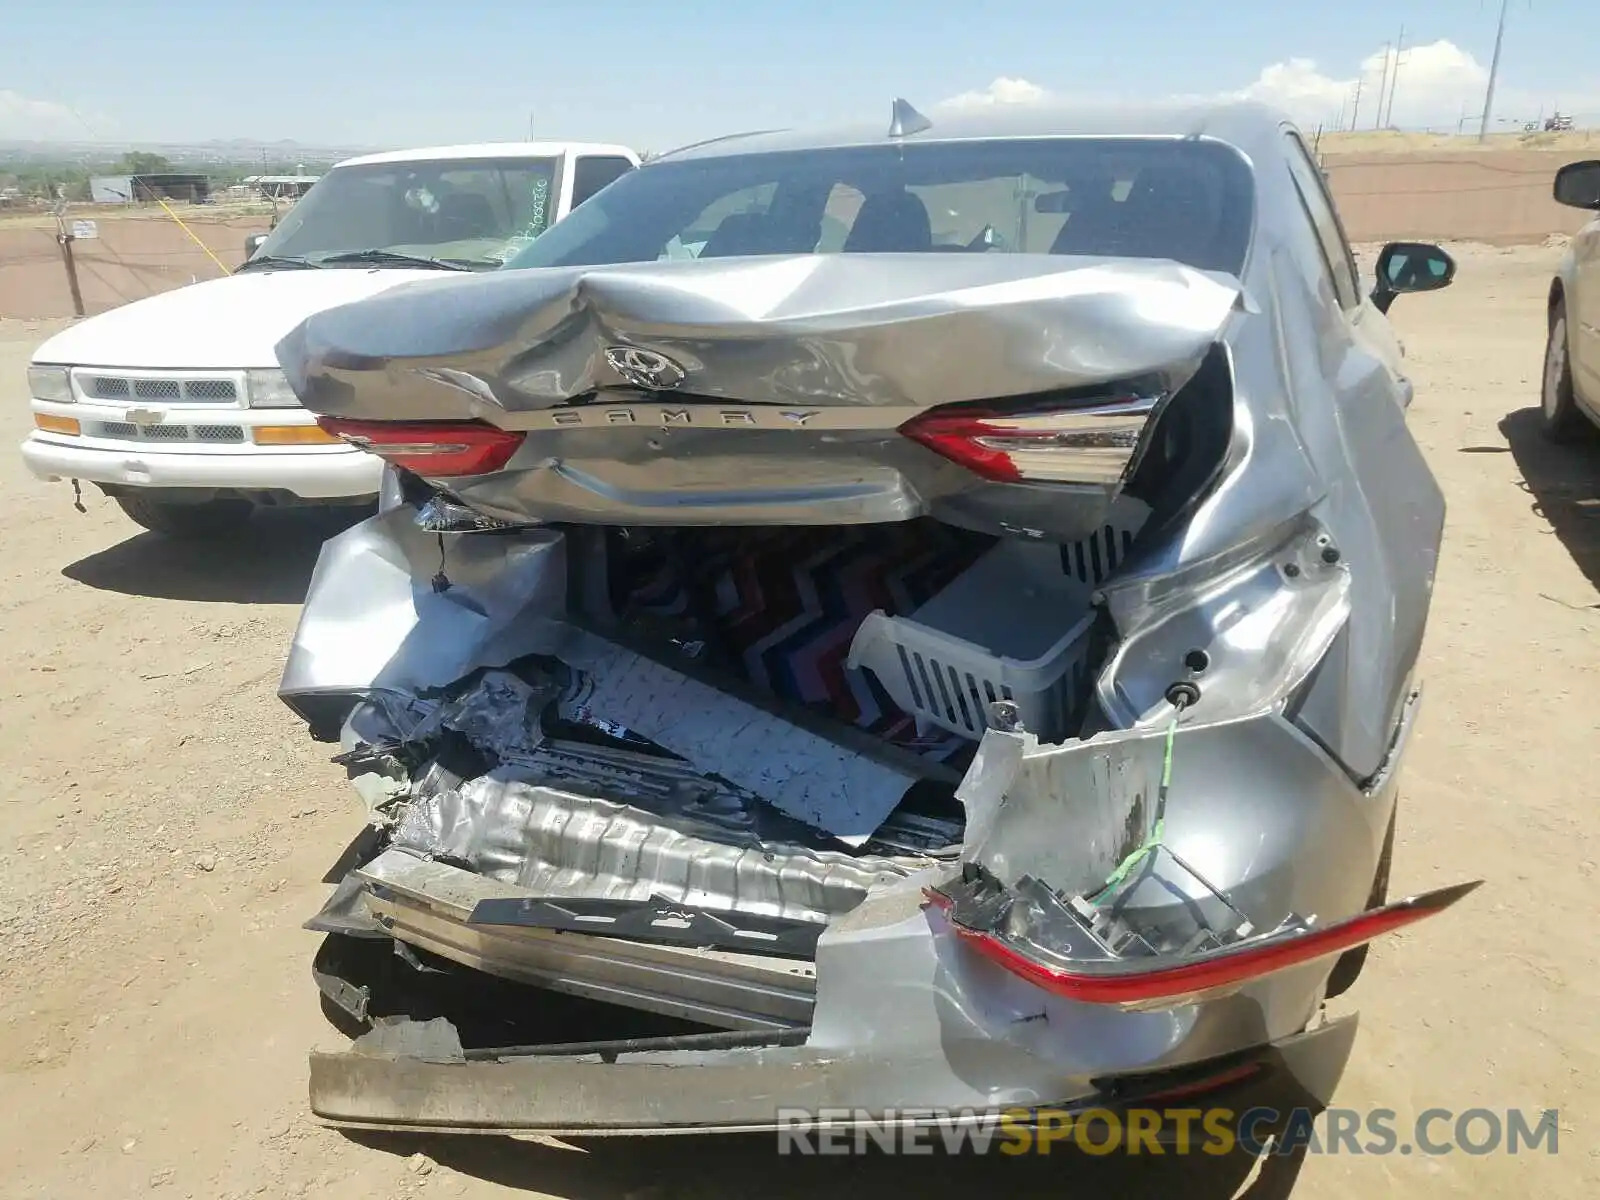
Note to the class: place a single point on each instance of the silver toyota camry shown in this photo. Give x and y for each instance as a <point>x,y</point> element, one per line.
<point>924,615</point>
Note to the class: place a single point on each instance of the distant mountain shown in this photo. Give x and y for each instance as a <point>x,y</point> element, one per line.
<point>216,151</point>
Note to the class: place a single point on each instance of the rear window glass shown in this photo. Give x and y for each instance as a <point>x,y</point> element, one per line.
<point>1190,201</point>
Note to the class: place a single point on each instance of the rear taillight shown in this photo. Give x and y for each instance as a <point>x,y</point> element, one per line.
<point>1077,445</point>
<point>432,449</point>
<point>1144,982</point>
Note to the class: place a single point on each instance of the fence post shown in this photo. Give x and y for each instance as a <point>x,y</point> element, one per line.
<point>64,239</point>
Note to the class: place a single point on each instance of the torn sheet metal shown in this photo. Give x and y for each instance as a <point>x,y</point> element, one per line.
<point>1102,790</point>
<point>824,785</point>
<point>498,713</point>
<point>427,904</point>
<point>982,791</point>
<point>706,849</point>
<point>370,599</point>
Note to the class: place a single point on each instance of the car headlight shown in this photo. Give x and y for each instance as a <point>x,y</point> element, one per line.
<point>50,383</point>
<point>269,389</point>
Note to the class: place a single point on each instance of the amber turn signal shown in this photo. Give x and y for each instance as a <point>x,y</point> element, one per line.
<point>54,424</point>
<point>293,435</point>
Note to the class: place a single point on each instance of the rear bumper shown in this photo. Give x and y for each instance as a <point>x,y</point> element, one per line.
<point>775,1088</point>
<point>331,474</point>
<point>891,1013</point>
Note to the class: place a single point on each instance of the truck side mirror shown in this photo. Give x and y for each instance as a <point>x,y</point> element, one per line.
<point>252,244</point>
<point>1405,267</point>
<point>1578,185</point>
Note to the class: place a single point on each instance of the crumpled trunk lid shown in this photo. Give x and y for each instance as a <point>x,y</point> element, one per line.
<point>782,390</point>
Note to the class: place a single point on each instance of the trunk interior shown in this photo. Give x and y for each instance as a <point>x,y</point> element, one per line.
<point>819,688</point>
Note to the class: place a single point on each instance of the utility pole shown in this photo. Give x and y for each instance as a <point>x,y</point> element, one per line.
<point>1394,80</point>
<point>64,239</point>
<point>1355,113</point>
<point>1494,73</point>
<point>1383,86</point>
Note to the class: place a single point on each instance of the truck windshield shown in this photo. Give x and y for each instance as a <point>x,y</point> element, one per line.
<point>1188,200</point>
<point>467,212</point>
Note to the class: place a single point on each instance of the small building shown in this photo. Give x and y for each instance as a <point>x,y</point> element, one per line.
<point>282,187</point>
<point>145,189</point>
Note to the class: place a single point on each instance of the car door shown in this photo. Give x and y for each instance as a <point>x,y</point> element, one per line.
<point>1583,315</point>
<point>1371,327</point>
<point>1352,393</point>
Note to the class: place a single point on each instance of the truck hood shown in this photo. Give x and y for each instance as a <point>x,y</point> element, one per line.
<point>776,390</point>
<point>220,324</point>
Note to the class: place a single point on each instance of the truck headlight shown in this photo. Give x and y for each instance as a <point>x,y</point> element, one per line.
<point>52,384</point>
<point>269,389</point>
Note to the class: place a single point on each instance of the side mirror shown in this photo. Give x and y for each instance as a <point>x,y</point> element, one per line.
<point>1578,185</point>
<point>1411,267</point>
<point>252,244</point>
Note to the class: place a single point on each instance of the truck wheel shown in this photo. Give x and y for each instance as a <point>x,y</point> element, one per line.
<point>210,518</point>
<point>1348,968</point>
<point>1557,404</point>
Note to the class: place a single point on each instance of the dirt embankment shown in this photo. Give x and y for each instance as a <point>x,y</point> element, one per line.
<point>1496,197</point>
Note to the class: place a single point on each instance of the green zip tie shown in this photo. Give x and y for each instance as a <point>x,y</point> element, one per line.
<point>1152,843</point>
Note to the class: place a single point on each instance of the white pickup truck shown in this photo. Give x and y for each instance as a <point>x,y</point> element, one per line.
<point>174,405</point>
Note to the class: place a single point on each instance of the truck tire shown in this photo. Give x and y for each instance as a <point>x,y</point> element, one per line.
<point>208,519</point>
<point>1348,967</point>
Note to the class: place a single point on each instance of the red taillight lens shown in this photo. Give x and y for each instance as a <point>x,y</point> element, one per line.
<point>432,449</point>
<point>1141,982</point>
<point>1084,444</point>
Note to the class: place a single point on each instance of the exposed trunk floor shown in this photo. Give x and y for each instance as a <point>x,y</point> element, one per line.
<point>779,607</point>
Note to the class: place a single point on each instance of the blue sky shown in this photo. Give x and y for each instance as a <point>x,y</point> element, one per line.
<point>360,72</point>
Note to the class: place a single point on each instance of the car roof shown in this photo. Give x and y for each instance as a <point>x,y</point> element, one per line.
<point>1240,123</point>
<point>489,150</point>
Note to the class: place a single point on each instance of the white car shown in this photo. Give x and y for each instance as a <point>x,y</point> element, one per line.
<point>175,406</point>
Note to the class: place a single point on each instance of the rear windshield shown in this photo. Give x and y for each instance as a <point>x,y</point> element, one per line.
<point>1188,200</point>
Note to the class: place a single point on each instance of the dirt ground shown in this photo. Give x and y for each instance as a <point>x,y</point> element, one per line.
<point>1574,142</point>
<point>165,823</point>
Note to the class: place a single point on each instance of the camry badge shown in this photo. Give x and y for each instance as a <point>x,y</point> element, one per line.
<point>645,368</point>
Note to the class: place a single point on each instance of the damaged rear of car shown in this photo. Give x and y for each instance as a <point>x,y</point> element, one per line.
<point>928,616</point>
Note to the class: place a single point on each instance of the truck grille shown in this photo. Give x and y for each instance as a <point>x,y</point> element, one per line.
<point>171,389</point>
<point>127,431</point>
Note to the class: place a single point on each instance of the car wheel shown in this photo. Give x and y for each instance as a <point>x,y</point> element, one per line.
<point>208,519</point>
<point>1557,404</point>
<point>1348,968</point>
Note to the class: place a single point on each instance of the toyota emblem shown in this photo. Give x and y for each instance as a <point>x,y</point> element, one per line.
<point>644,368</point>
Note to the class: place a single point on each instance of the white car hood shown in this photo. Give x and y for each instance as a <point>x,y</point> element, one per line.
<point>221,324</point>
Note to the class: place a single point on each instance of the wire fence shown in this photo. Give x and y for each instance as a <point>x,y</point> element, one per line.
<point>119,253</point>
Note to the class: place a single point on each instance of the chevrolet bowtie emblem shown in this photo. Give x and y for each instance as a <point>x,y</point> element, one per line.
<point>147,416</point>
